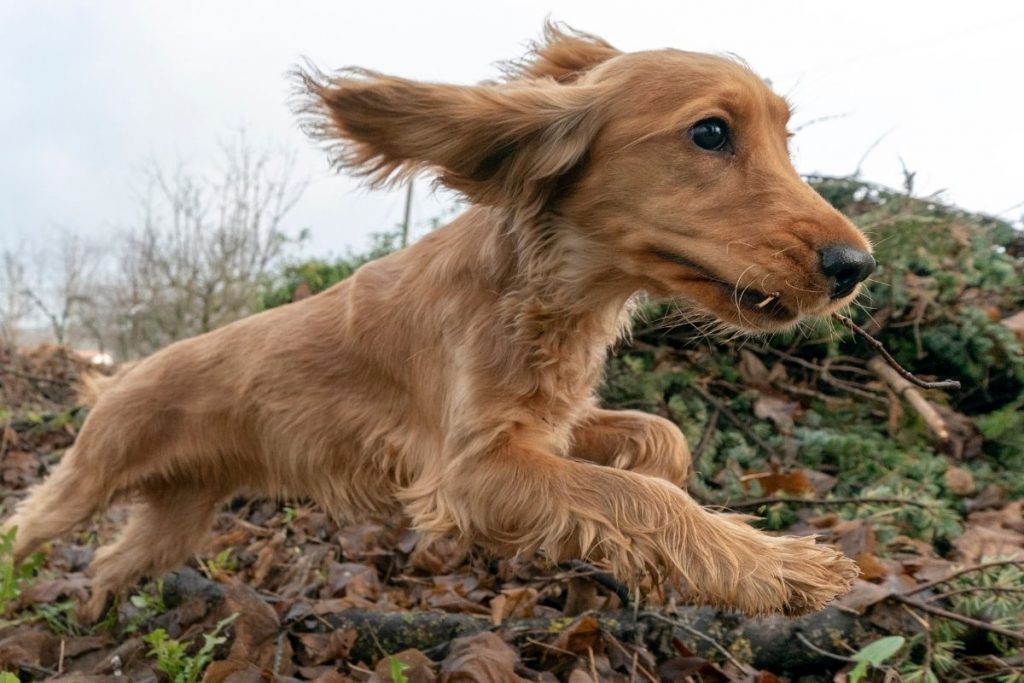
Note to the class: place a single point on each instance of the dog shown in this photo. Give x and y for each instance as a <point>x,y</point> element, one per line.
<point>454,381</point>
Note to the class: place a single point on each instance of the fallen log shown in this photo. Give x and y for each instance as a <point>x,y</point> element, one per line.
<point>767,643</point>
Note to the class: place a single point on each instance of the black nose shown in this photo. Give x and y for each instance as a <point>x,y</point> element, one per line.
<point>845,266</point>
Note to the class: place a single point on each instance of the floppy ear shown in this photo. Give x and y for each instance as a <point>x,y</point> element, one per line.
<point>499,144</point>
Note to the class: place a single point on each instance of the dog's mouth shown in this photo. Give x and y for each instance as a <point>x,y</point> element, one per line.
<point>745,306</point>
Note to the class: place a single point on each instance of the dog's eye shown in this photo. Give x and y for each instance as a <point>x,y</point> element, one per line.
<point>710,134</point>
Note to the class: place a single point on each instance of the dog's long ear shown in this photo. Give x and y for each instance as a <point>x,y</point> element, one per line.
<point>499,144</point>
<point>563,54</point>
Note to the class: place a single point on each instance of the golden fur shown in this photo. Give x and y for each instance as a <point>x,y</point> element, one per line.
<point>454,381</point>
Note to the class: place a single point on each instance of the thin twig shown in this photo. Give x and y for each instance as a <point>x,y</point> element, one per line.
<point>922,406</point>
<point>703,636</point>
<point>960,572</point>
<point>705,437</point>
<point>823,653</point>
<point>636,662</point>
<point>893,363</point>
<point>603,579</point>
<point>548,646</point>
<point>742,426</point>
<point>975,589</point>
<point>854,500</point>
<point>954,616</point>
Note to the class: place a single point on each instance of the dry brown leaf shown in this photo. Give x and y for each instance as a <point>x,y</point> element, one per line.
<point>581,596</point>
<point>854,536</point>
<point>498,612</point>
<point>959,481</point>
<point>979,542</point>
<point>581,637</point>
<point>324,674</point>
<point>822,483</point>
<point>19,468</point>
<point>445,598</point>
<point>71,586</point>
<point>480,658</point>
<point>795,482</point>
<point>871,567</point>
<point>516,602</point>
<point>417,668</point>
<point>317,648</point>
<point>928,568</point>
<point>267,559</point>
<point>352,579</point>
<point>1007,517</point>
<point>781,411</point>
<point>862,595</point>
<point>1015,323</point>
<point>29,647</point>
<point>235,671</point>
<point>257,630</point>
<point>752,369</point>
<point>440,557</point>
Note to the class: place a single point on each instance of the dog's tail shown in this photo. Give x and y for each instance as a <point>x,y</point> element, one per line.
<point>92,384</point>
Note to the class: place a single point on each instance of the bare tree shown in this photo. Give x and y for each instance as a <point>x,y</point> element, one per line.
<point>62,283</point>
<point>204,247</point>
<point>14,305</point>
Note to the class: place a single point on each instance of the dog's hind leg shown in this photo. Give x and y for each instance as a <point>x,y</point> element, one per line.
<point>518,499</point>
<point>69,496</point>
<point>168,526</point>
<point>633,440</point>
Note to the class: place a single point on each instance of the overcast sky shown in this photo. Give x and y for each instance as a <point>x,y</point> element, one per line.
<point>89,90</point>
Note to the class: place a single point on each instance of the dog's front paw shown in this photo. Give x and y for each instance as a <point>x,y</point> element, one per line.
<point>789,575</point>
<point>814,575</point>
<point>89,612</point>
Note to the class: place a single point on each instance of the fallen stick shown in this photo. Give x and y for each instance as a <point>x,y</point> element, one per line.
<point>893,363</point>
<point>847,500</point>
<point>955,616</point>
<point>963,570</point>
<point>768,643</point>
<point>772,643</point>
<point>919,403</point>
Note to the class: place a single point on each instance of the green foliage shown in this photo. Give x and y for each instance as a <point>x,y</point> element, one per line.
<point>222,562</point>
<point>318,274</point>
<point>397,669</point>
<point>945,279</point>
<point>13,579</point>
<point>875,654</point>
<point>60,618</point>
<point>173,659</point>
<point>289,514</point>
<point>995,595</point>
<point>8,677</point>
<point>148,603</point>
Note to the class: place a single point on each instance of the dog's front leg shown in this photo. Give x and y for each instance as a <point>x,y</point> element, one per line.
<point>517,498</point>
<point>632,440</point>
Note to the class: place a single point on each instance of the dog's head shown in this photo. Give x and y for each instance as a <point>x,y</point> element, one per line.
<point>672,166</point>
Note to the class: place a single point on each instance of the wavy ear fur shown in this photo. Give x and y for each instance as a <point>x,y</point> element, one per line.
<point>563,54</point>
<point>499,144</point>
